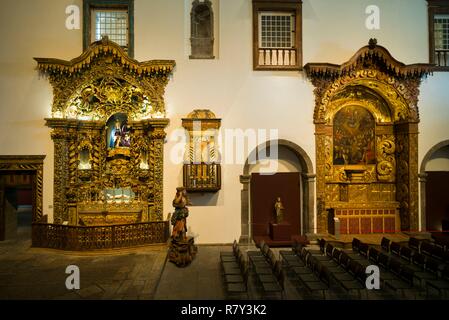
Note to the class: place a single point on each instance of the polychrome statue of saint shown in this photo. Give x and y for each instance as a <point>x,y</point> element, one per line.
<point>179,217</point>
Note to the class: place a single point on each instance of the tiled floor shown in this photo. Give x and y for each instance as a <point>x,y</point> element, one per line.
<point>142,273</point>
<point>30,273</point>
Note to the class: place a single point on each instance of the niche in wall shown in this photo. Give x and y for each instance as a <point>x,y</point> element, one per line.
<point>202,30</point>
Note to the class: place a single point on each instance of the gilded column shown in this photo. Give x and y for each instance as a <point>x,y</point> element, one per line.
<point>59,137</point>
<point>38,193</point>
<point>157,137</point>
<point>414,183</point>
<point>407,175</point>
<point>321,152</point>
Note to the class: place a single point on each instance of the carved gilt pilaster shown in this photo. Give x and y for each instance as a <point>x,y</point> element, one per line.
<point>157,138</point>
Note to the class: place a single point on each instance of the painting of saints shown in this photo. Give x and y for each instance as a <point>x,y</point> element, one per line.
<point>354,137</point>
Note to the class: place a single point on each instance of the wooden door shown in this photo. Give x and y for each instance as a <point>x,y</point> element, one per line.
<point>264,191</point>
<point>437,199</point>
<point>2,215</point>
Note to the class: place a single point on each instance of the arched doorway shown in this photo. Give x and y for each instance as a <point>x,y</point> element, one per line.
<point>434,181</point>
<point>292,159</point>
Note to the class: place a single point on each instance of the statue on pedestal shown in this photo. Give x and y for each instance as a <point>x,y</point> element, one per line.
<point>179,218</point>
<point>279,210</point>
<point>182,249</point>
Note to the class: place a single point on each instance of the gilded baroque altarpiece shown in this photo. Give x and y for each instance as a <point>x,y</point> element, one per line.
<point>366,127</point>
<point>108,128</point>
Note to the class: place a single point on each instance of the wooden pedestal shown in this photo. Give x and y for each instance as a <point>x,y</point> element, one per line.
<point>182,252</point>
<point>281,231</point>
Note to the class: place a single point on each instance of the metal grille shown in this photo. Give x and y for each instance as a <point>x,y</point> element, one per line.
<point>276,30</point>
<point>113,23</point>
<point>441,29</point>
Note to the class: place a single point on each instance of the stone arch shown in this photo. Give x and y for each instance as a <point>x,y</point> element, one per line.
<point>308,192</point>
<point>423,178</point>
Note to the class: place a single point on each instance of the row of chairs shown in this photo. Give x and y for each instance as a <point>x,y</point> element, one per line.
<point>441,240</point>
<point>426,247</point>
<point>268,270</point>
<point>403,269</point>
<point>429,273</point>
<point>235,271</point>
<point>347,268</point>
<point>395,274</point>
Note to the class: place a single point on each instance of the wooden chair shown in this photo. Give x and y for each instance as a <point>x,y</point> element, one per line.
<point>385,244</point>
<point>319,286</point>
<point>426,248</point>
<point>230,256</point>
<point>272,277</point>
<point>363,249</point>
<point>275,287</point>
<point>440,285</point>
<point>257,253</point>
<point>373,255</point>
<point>414,243</point>
<point>404,278</point>
<point>233,267</point>
<point>353,284</point>
<point>234,289</point>
<point>237,278</point>
<point>355,244</point>
<point>395,248</point>
<point>322,244</point>
<point>230,253</point>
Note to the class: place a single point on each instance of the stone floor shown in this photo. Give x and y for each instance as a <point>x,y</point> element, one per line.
<point>141,273</point>
<point>31,273</point>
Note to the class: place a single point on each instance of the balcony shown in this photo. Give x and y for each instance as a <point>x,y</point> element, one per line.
<point>442,59</point>
<point>277,58</point>
<point>202,177</point>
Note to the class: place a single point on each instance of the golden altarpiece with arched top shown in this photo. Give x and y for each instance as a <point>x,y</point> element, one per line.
<point>366,127</point>
<point>108,128</point>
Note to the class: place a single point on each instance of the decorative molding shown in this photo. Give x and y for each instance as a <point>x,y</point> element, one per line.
<point>104,80</point>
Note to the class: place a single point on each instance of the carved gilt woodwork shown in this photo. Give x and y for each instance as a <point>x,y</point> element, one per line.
<point>108,121</point>
<point>373,80</point>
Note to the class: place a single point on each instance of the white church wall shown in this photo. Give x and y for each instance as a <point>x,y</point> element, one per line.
<point>244,99</point>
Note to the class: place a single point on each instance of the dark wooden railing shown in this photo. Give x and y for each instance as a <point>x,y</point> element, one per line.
<point>81,238</point>
<point>442,58</point>
<point>202,177</point>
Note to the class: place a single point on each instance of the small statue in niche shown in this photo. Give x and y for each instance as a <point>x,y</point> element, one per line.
<point>279,211</point>
<point>179,218</point>
<point>120,135</point>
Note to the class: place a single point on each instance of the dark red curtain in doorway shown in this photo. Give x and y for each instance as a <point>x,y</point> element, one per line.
<point>437,199</point>
<point>264,191</point>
